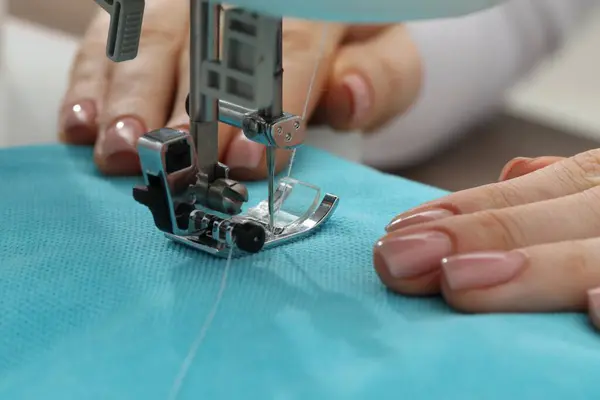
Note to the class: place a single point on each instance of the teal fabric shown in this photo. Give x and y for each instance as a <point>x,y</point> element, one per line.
<point>96,304</point>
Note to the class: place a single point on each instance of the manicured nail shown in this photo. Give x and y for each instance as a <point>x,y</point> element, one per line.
<point>413,255</point>
<point>481,270</point>
<point>418,218</point>
<point>360,95</point>
<point>116,151</point>
<point>513,168</point>
<point>79,123</point>
<point>121,137</point>
<point>244,153</point>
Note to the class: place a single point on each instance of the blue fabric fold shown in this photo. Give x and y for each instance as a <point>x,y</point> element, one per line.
<point>96,304</point>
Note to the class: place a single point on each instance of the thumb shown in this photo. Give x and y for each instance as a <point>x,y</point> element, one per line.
<point>372,81</point>
<point>308,49</point>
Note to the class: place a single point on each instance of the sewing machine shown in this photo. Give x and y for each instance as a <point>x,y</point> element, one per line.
<point>236,79</point>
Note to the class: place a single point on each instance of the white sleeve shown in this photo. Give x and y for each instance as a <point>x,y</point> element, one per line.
<point>469,63</point>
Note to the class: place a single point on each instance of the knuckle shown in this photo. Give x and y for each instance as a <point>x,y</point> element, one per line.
<point>161,36</point>
<point>584,168</point>
<point>302,39</point>
<point>88,71</point>
<point>589,161</point>
<point>90,52</point>
<point>297,40</point>
<point>501,195</point>
<point>499,229</point>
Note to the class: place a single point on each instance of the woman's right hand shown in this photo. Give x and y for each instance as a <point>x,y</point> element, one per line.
<point>366,75</point>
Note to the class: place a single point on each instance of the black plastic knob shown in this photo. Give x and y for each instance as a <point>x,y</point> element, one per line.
<point>250,237</point>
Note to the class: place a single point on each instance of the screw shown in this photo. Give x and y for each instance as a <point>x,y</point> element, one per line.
<point>297,125</point>
<point>288,137</point>
<point>279,130</point>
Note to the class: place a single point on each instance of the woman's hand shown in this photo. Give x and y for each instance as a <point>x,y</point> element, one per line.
<point>529,243</point>
<point>366,76</point>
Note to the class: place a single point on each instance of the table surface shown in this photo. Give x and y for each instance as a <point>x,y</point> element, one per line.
<point>476,159</point>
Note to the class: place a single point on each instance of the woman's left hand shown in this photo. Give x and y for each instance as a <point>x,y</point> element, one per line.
<point>529,243</point>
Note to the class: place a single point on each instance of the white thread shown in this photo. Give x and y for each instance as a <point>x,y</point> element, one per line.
<point>310,88</point>
<point>185,367</point>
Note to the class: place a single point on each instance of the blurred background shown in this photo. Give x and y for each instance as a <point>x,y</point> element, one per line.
<point>554,112</point>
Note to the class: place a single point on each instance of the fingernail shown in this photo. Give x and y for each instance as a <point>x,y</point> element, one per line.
<point>413,255</point>
<point>481,270</point>
<point>513,168</point>
<point>79,122</point>
<point>418,218</point>
<point>361,96</point>
<point>121,137</point>
<point>244,153</point>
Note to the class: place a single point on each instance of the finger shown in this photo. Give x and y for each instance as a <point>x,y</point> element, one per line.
<point>308,50</point>
<point>417,250</point>
<point>572,175</point>
<point>140,92</point>
<point>546,278</point>
<point>78,121</point>
<point>372,81</point>
<point>424,284</point>
<point>594,307</point>
<point>523,166</point>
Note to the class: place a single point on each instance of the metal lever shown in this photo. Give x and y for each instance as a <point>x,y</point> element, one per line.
<point>125,30</point>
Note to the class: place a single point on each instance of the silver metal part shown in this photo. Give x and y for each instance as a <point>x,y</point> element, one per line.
<point>204,104</point>
<point>271,185</point>
<point>185,184</point>
<point>244,74</point>
<point>152,149</point>
<point>284,132</point>
<point>275,238</point>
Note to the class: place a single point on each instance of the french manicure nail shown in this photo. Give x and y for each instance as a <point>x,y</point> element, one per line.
<point>413,255</point>
<point>418,218</point>
<point>481,270</point>
<point>121,137</point>
<point>361,96</point>
<point>244,153</point>
<point>79,122</point>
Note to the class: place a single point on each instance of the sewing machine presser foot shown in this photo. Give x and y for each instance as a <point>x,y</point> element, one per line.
<point>177,197</point>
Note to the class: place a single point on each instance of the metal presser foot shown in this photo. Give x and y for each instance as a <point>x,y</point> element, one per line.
<point>199,216</point>
<point>188,192</point>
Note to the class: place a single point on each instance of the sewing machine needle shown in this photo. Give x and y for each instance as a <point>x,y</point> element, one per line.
<point>271,173</point>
